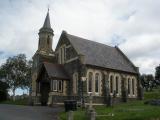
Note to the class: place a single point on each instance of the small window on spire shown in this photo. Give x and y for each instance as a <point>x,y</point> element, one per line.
<point>48,40</point>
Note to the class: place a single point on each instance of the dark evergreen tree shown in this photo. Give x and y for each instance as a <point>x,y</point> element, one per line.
<point>157,75</point>
<point>147,81</point>
<point>3,91</point>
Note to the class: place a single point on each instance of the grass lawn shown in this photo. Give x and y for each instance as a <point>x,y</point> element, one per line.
<point>17,102</point>
<point>130,111</point>
<point>135,110</point>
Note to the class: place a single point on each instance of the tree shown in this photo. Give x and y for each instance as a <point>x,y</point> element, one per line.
<point>16,72</point>
<point>3,91</point>
<point>157,75</point>
<point>147,81</point>
<point>28,80</point>
<point>3,86</point>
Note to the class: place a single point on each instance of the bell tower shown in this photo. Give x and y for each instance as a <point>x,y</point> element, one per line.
<point>46,34</point>
<point>44,53</point>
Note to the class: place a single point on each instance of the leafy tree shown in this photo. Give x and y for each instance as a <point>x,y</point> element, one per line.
<point>16,72</point>
<point>28,81</point>
<point>157,75</point>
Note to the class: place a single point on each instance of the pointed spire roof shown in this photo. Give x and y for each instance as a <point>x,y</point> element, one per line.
<point>47,21</point>
<point>46,26</point>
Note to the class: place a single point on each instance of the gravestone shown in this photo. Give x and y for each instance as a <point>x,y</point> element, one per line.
<point>89,109</point>
<point>90,102</point>
<point>92,115</point>
<point>70,115</point>
<point>114,98</point>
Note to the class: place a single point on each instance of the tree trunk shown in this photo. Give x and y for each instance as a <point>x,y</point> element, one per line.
<point>30,101</point>
<point>14,94</point>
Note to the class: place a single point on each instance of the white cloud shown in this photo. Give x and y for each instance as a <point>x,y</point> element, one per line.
<point>132,24</point>
<point>142,45</point>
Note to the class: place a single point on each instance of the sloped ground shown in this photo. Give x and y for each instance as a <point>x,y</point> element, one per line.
<point>135,110</point>
<point>16,112</point>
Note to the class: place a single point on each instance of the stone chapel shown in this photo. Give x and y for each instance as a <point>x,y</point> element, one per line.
<point>78,67</point>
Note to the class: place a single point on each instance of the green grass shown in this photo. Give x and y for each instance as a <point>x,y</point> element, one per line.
<point>130,111</point>
<point>17,102</point>
<point>135,110</point>
<point>155,94</point>
<point>78,115</point>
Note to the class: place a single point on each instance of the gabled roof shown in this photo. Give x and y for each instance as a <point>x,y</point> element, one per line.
<point>101,55</point>
<point>56,71</point>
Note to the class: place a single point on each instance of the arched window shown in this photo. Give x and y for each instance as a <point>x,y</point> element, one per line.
<point>133,86</point>
<point>129,86</point>
<point>111,84</point>
<point>117,85</point>
<point>97,79</point>
<point>90,79</point>
<point>62,54</point>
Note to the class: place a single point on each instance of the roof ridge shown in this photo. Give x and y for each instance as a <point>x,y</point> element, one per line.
<point>52,63</point>
<point>90,40</point>
<point>99,54</point>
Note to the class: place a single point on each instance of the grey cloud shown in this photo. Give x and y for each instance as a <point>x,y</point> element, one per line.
<point>92,19</point>
<point>127,16</point>
<point>1,52</point>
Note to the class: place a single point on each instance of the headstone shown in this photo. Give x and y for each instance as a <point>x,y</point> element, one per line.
<point>90,101</point>
<point>92,115</point>
<point>114,97</point>
<point>90,106</point>
<point>140,93</point>
<point>70,115</point>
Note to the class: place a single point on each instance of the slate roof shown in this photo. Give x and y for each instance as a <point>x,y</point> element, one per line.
<point>56,71</point>
<point>47,25</point>
<point>47,21</point>
<point>101,55</point>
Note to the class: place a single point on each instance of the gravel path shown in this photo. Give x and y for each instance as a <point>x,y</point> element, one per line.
<point>16,112</point>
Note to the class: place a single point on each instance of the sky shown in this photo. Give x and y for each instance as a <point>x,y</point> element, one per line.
<point>132,25</point>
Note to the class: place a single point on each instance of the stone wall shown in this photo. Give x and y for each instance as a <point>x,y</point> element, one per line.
<point>71,68</point>
<point>105,75</point>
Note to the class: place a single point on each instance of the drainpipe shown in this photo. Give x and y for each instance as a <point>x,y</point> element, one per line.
<point>82,77</point>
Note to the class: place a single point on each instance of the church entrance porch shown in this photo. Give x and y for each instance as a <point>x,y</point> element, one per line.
<point>44,91</point>
<point>51,84</point>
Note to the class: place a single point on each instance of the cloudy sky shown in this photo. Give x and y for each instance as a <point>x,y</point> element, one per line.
<point>133,25</point>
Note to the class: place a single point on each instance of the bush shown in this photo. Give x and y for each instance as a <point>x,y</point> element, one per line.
<point>3,95</point>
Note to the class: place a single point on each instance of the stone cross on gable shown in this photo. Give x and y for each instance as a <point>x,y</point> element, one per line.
<point>48,7</point>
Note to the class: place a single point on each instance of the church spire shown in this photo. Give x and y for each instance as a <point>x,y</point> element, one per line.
<point>47,21</point>
<point>46,34</point>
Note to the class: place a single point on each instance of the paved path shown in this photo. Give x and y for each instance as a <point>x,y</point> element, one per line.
<point>15,112</point>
